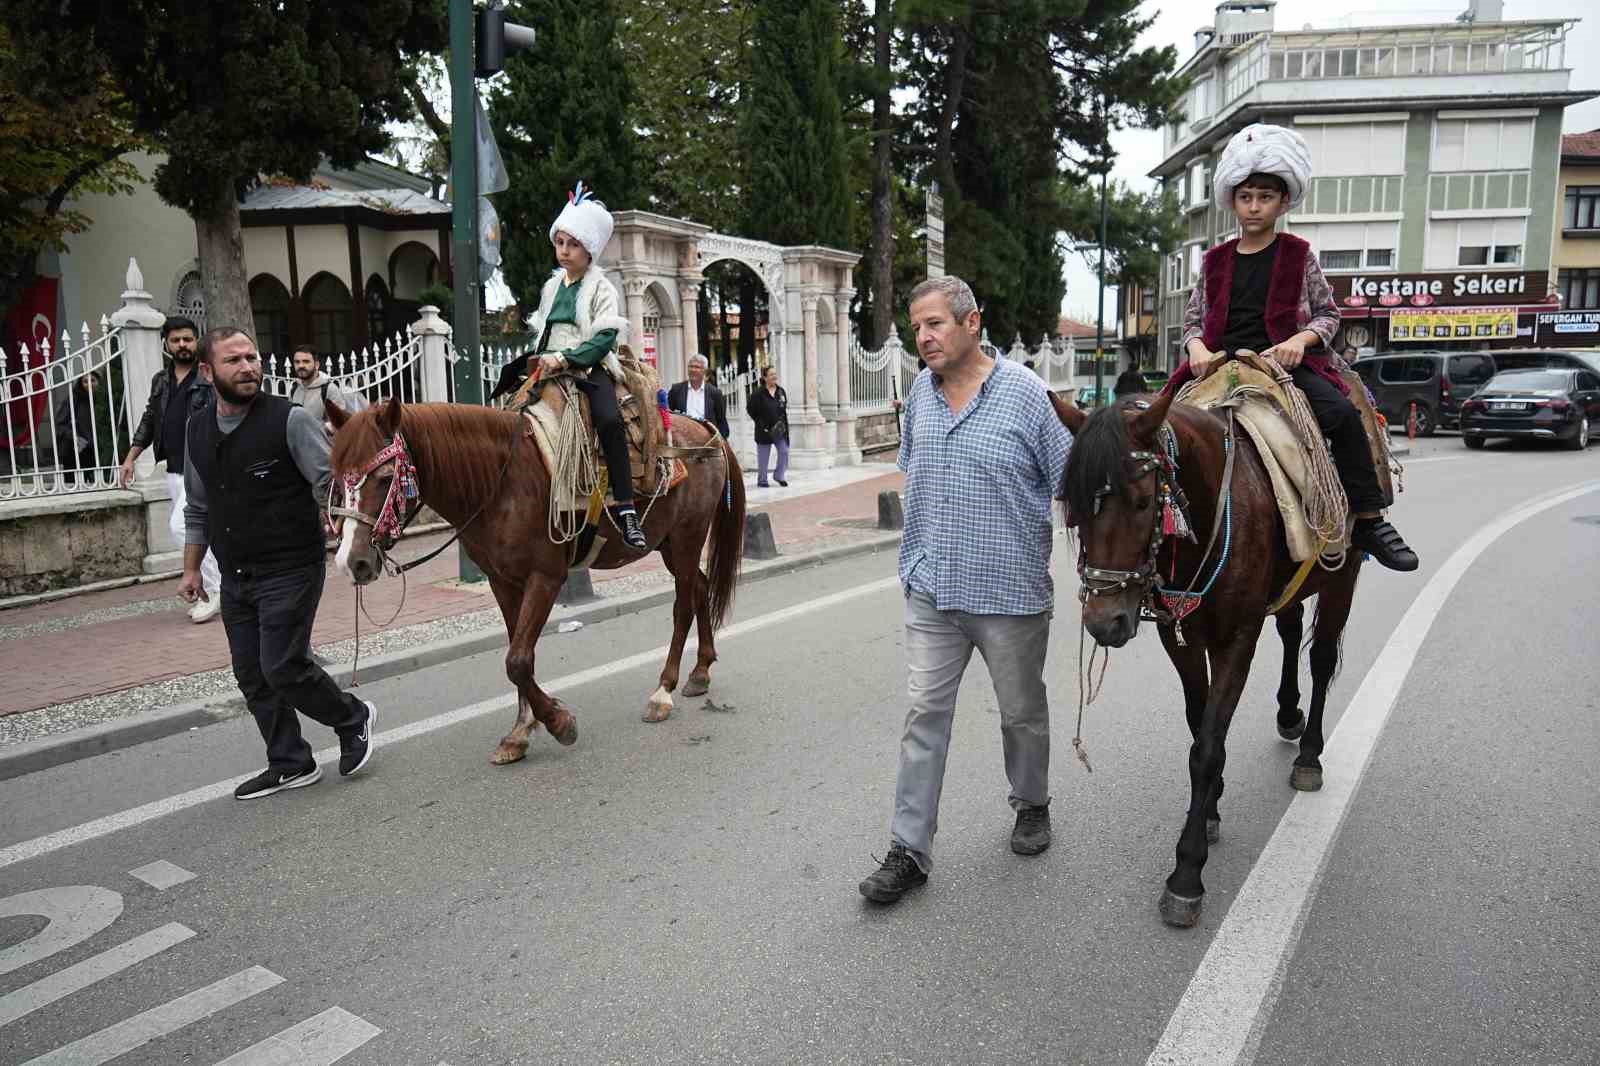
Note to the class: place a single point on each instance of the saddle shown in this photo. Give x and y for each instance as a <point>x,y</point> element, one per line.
<point>1295,454</point>
<point>551,403</point>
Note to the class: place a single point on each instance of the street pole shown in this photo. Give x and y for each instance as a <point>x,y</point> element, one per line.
<point>464,221</point>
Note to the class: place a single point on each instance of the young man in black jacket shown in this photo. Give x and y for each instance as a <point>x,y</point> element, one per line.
<point>257,467</point>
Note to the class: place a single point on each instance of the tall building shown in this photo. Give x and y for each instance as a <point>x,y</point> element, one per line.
<point>1436,147</point>
<point>1577,322</point>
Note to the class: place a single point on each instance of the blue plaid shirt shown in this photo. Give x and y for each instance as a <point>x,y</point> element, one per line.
<point>979,488</point>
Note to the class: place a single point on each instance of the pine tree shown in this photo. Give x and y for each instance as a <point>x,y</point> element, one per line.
<point>793,133</point>
<point>562,115</point>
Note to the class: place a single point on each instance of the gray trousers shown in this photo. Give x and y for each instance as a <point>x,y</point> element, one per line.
<point>938,647</point>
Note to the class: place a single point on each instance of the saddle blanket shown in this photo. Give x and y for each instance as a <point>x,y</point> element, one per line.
<point>541,426</point>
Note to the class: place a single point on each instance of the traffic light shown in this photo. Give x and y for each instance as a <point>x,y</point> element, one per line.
<point>496,38</point>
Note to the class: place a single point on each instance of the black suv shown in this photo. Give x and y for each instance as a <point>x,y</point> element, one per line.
<point>1436,382</point>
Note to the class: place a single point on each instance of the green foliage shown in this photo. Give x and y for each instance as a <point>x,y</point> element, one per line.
<point>562,114</point>
<point>1140,228</point>
<point>793,141</point>
<point>440,296</point>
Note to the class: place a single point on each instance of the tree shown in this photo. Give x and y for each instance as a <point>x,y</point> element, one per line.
<point>1140,229</point>
<point>56,143</point>
<point>793,141</point>
<point>562,114</point>
<point>229,90</point>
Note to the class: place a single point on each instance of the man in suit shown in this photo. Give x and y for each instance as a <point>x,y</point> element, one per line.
<point>697,399</point>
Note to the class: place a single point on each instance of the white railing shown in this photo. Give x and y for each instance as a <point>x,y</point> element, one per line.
<point>391,367</point>
<point>65,419</point>
<point>875,377</point>
<point>491,362</point>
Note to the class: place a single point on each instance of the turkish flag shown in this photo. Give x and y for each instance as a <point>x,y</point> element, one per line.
<point>33,323</point>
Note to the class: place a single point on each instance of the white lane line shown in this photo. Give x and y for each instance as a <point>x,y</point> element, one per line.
<point>317,1041</point>
<point>74,913</point>
<point>1220,1019</point>
<point>47,990</point>
<point>157,1022</point>
<point>112,823</point>
<point>161,875</point>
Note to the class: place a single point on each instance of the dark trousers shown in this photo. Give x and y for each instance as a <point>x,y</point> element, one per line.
<point>268,619</point>
<point>607,420</point>
<point>1341,424</point>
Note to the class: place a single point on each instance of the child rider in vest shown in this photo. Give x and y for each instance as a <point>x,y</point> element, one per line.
<point>1265,292</point>
<point>577,326</point>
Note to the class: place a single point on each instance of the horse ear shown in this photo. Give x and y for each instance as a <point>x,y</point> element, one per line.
<point>389,416</point>
<point>337,416</point>
<point>1070,416</point>
<point>1143,425</point>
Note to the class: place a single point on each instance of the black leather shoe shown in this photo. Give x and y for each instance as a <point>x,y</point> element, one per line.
<point>1031,835</point>
<point>898,875</point>
<point>1383,542</point>
<point>632,535</point>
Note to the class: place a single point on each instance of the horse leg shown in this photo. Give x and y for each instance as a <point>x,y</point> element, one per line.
<point>1184,893</point>
<point>1190,662</point>
<point>533,705</point>
<point>699,682</point>
<point>684,583</point>
<point>1327,639</point>
<point>1291,627</point>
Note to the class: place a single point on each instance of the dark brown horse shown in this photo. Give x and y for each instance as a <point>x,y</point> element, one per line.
<point>479,470</point>
<point>1113,488</point>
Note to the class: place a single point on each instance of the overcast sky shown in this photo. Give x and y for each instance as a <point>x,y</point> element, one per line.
<point>1176,21</point>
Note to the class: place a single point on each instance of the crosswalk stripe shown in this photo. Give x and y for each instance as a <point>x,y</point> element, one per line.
<point>47,990</point>
<point>157,1022</point>
<point>317,1041</point>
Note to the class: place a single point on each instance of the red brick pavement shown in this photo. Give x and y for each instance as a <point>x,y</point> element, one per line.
<point>96,657</point>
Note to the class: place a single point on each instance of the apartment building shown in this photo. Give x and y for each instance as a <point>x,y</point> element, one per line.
<point>1577,322</point>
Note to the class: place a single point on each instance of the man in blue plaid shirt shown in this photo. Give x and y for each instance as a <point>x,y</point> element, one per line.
<point>983,453</point>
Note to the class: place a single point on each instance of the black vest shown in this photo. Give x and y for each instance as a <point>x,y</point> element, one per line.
<point>262,513</point>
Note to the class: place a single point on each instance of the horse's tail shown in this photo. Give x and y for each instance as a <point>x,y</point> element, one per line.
<point>727,540</point>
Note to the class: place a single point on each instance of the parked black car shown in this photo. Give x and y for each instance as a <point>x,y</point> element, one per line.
<point>1554,403</point>
<point>1436,382</point>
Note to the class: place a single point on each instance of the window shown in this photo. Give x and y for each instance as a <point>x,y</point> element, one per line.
<point>1588,382</point>
<point>1470,369</point>
<point>1341,260</point>
<point>1579,289</point>
<point>1417,371</point>
<point>1475,242</point>
<point>1353,245</point>
<point>1380,258</point>
<point>328,309</point>
<point>1147,302</point>
<point>1482,144</point>
<point>1347,149</point>
<point>269,307</point>
<point>377,308</point>
<point>1582,207</point>
<point>1175,272</point>
<point>1198,179</point>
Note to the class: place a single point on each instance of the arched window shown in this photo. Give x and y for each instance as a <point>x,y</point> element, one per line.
<point>269,306</point>
<point>377,308</point>
<point>328,311</point>
<point>189,299</point>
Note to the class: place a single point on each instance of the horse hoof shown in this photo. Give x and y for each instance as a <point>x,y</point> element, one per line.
<point>697,686</point>
<point>660,705</point>
<point>1181,912</point>
<point>1305,778</point>
<point>1294,732</point>
<point>569,732</point>
<point>508,752</point>
<point>1213,830</point>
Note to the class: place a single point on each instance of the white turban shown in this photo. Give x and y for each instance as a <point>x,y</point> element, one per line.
<point>1263,149</point>
<point>585,218</point>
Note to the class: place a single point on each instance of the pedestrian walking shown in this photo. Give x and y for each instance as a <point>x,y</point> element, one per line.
<point>313,389</point>
<point>983,453</point>
<point>698,399</point>
<point>257,467</point>
<point>768,408</point>
<point>177,391</point>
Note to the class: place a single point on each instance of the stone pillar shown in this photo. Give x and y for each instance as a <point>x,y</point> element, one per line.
<point>812,439</point>
<point>808,305</point>
<point>689,312</point>
<point>435,336</point>
<point>849,449</point>
<point>633,289</point>
<point>140,323</point>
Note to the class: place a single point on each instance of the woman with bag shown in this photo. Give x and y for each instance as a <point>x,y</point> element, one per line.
<point>769,410</point>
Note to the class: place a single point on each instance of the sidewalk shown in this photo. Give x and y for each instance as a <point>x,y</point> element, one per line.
<point>103,642</point>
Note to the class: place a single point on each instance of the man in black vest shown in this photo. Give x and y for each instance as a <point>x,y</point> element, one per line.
<point>256,467</point>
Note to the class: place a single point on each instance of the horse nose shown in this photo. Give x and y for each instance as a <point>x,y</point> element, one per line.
<point>361,571</point>
<point>1113,631</point>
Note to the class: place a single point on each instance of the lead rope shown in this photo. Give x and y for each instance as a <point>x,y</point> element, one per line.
<point>1089,689</point>
<point>361,609</point>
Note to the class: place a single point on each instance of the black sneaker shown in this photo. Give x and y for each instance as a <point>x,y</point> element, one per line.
<point>269,781</point>
<point>898,875</point>
<point>632,535</point>
<point>355,749</point>
<point>1383,542</point>
<point>782,482</point>
<point>1031,834</point>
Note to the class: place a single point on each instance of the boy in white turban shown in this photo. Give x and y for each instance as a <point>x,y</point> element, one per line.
<point>1264,291</point>
<point>577,325</point>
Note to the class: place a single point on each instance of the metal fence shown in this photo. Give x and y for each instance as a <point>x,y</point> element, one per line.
<point>65,420</point>
<point>876,377</point>
<point>392,367</point>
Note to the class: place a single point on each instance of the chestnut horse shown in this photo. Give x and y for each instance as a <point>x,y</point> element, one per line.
<point>1119,475</point>
<point>479,470</point>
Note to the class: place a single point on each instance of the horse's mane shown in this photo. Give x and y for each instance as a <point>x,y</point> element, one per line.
<point>1098,458</point>
<point>458,448</point>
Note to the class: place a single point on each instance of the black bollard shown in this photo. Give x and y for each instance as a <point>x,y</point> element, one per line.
<point>759,542</point>
<point>577,588</point>
<point>890,514</point>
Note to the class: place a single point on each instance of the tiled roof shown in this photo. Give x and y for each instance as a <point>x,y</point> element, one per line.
<point>298,197</point>
<point>1582,144</point>
<point>1071,327</point>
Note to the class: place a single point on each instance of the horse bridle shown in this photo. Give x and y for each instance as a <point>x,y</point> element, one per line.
<point>400,505</point>
<point>1096,581</point>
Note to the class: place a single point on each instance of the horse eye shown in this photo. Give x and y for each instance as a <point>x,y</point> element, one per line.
<point>1143,503</point>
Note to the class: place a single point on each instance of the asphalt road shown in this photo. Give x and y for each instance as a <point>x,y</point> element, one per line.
<point>685,892</point>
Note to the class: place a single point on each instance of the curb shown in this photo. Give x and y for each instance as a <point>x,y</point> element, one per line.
<point>34,755</point>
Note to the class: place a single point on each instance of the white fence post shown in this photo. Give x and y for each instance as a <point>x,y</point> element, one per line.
<point>140,323</point>
<point>435,334</point>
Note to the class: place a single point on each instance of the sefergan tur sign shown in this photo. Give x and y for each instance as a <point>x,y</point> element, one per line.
<point>1426,290</point>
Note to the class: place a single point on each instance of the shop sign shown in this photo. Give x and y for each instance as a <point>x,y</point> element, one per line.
<point>1428,290</point>
<point>1556,328</point>
<point>1465,323</point>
